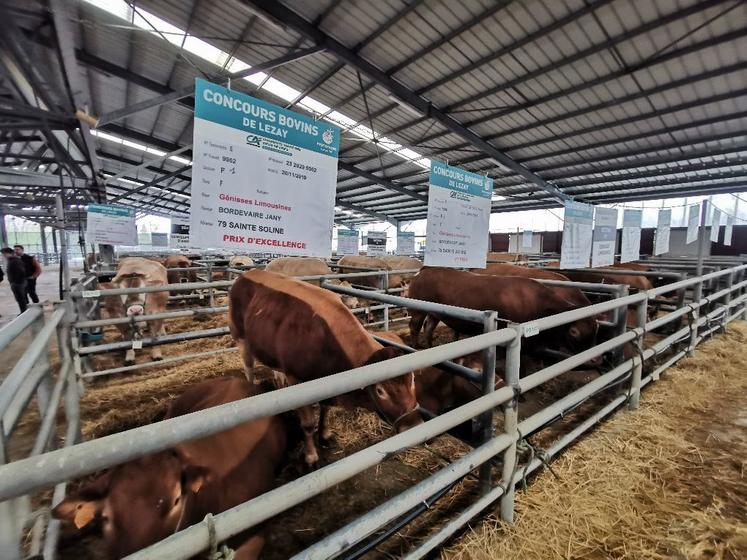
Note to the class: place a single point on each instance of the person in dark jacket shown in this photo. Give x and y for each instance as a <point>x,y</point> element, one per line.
<point>16,274</point>
<point>33,271</point>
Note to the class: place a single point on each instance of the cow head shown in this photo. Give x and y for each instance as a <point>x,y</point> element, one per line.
<point>351,302</point>
<point>405,287</point>
<point>395,400</point>
<point>581,335</point>
<point>138,503</point>
<point>134,304</point>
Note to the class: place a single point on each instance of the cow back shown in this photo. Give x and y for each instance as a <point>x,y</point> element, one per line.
<point>363,261</point>
<point>296,327</point>
<point>298,266</point>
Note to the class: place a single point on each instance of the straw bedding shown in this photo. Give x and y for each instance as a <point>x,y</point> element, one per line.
<point>667,481</point>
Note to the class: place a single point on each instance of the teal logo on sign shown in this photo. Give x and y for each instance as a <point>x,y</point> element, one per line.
<point>264,120</point>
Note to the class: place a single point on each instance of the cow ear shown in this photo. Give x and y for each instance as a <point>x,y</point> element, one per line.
<point>386,353</point>
<point>195,477</point>
<point>81,509</point>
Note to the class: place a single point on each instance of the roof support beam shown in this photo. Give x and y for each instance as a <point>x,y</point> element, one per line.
<point>146,163</point>
<point>61,16</point>
<point>380,181</point>
<point>148,184</point>
<point>292,20</point>
<point>377,215</point>
<point>189,91</point>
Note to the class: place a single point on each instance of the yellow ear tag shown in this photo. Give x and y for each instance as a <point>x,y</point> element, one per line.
<point>84,513</point>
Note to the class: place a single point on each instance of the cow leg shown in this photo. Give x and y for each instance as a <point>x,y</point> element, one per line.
<point>129,356</point>
<point>247,358</point>
<point>325,430</point>
<point>431,323</point>
<point>416,323</point>
<point>309,424</point>
<point>156,329</point>
<point>251,548</point>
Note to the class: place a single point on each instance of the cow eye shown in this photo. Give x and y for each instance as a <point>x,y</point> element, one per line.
<point>176,502</point>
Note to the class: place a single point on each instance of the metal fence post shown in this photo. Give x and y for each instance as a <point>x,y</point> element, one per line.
<point>510,425</point>
<point>727,300</point>
<point>485,428</point>
<point>621,324</point>
<point>697,296</point>
<point>385,279</point>
<point>211,295</point>
<point>635,383</point>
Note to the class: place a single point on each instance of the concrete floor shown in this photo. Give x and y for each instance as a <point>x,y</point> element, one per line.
<point>47,286</point>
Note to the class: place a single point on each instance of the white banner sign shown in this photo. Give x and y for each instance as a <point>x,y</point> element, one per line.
<point>458,217</point>
<point>263,178</point>
<point>692,223</point>
<point>376,243</point>
<point>575,249</point>
<point>630,245</point>
<point>347,241</point>
<point>526,239</point>
<point>406,243</point>
<point>111,225</point>
<point>663,227</point>
<point>179,238</point>
<point>729,230</point>
<point>715,224</point>
<point>604,238</point>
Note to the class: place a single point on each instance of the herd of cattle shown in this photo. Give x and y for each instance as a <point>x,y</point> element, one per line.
<point>301,332</point>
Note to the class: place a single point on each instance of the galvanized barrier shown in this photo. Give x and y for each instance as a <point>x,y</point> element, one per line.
<point>707,314</point>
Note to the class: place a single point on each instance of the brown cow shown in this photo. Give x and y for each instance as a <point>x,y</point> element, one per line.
<point>174,264</point>
<point>573,295</point>
<point>514,298</point>
<point>148,499</point>
<point>363,261</point>
<point>306,333</point>
<point>397,262</point>
<point>137,272</point>
<point>309,266</point>
<point>505,257</point>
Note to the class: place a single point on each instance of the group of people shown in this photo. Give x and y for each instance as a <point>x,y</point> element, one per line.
<point>22,270</point>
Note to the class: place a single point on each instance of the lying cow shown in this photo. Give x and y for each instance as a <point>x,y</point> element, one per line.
<point>307,333</point>
<point>240,260</point>
<point>137,272</point>
<point>146,500</point>
<point>514,298</point>
<point>573,295</point>
<point>310,266</point>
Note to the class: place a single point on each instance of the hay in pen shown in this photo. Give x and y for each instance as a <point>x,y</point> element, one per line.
<point>666,481</point>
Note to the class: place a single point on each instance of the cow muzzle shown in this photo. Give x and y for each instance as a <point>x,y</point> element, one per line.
<point>135,309</point>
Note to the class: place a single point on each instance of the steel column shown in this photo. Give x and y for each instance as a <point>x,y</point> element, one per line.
<point>510,424</point>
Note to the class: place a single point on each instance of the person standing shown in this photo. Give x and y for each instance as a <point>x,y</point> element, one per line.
<point>16,274</point>
<point>33,270</point>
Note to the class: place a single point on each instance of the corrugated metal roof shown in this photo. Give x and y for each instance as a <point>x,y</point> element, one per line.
<point>596,97</point>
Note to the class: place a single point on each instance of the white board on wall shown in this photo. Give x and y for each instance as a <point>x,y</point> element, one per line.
<point>575,249</point>
<point>405,242</point>
<point>663,231</point>
<point>457,231</point>
<point>376,243</point>
<point>263,177</point>
<point>729,230</point>
<point>179,237</point>
<point>715,224</point>
<point>693,217</point>
<point>604,237</point>
<point>111,225</point>
<point>630,247</point>
<point>347,241</point>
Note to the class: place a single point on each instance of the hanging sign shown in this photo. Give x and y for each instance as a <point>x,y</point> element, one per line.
<point>179,238</point>
<point>458,217</point>
<point>376,243</point>
<point>405,242</point>
<point>347,241</point>
<point>630,246</point>
<point>263,177</point>
<point>604,237</point>
<point>575,249</point>
<point>663,226</point>
<point>159,239</point>
<point>526,239</point>
<point>692,223</point>
<point>729,230</point>
<point>111,225</point>
<point>715,224</point>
